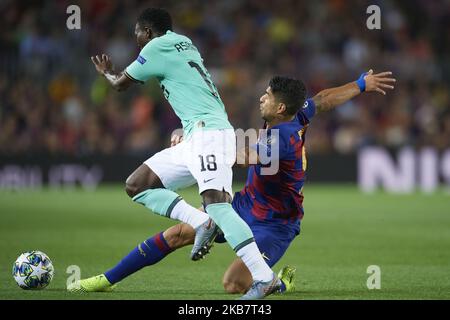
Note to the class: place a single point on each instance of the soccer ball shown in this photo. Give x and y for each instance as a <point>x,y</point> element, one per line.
<point>33,270</point>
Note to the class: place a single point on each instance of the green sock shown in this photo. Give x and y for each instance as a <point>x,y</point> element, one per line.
<point>160,201</point>
<point>236,231</point>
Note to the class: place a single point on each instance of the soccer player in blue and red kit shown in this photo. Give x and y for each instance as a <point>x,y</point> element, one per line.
<point>271,204</point>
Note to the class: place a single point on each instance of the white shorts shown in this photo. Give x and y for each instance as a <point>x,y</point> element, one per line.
<point>205,158</point>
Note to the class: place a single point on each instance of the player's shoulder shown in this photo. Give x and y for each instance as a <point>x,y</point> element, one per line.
<point>291,127</point>
<point>290,134</point>
<point>173,36</point>
<point>159,42</point>
<point>307,111</point>
<point>150,48</point>
<point>171,41</point>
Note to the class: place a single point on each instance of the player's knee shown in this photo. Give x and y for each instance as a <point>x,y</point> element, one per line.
<point>141,179</point>
<point>136,184</point>
<point>231,286</point>
<point>131,187</point>
<point>215,196</point>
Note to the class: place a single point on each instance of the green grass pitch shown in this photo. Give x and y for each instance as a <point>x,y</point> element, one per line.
<point>343,232</point>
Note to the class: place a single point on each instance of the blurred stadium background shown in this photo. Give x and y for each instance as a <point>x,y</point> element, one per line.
<point>62,127</point>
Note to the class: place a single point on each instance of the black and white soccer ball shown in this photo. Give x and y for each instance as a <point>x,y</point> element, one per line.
<point>33,270</point>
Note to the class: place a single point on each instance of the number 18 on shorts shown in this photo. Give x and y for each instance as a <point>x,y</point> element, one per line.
<point>205,158</point>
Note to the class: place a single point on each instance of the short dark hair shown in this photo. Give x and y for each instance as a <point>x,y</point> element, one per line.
<point>157,19</point>
<point>291,92</point>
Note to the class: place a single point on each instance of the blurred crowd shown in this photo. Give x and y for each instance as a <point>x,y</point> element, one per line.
<point>52,101</point>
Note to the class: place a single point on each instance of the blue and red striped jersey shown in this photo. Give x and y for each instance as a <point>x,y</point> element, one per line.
<point>278,198</point>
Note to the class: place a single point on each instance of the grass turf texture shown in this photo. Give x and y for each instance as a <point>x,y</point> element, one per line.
<point>343,232</point>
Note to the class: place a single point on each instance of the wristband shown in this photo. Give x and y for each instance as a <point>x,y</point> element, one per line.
<point>361,82</point>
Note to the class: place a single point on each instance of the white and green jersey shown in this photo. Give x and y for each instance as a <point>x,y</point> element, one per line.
<point>176,63</point>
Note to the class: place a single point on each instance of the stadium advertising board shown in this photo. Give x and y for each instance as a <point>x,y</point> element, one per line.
<point>373,168</point>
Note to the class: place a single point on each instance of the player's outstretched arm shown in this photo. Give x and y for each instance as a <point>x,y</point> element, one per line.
<point>103,65</point>
<point>328,99</point>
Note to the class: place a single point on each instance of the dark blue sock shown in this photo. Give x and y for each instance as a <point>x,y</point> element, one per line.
<point>147,253</point>
<point>283,287</point>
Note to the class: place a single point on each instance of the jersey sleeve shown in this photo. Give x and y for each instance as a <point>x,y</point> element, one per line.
<point>148,64</point>
<point>309,109</point>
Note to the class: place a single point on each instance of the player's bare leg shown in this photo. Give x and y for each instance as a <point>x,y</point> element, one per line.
<point>206,234</point>
<point>145,187</point>
<point>237,278</point>
<point>141,179</point>
<point>179,235</point>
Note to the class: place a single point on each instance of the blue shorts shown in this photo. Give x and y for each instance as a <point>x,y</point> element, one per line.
<point>272,239</point>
